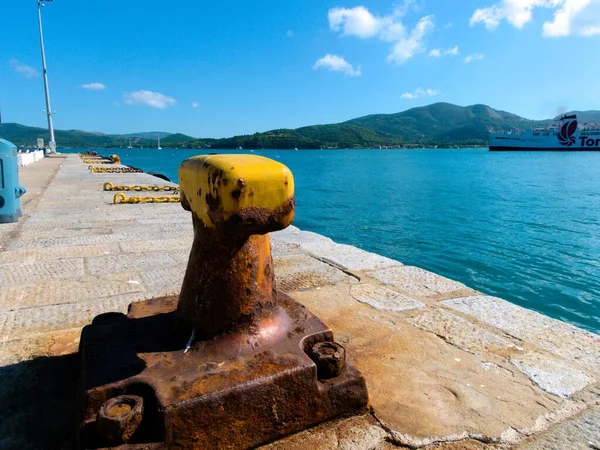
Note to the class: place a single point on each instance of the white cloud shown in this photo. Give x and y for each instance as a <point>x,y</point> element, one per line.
<point>94,86</point>
<point>420,92</point>
<point>474,57</point>
<point>448,26</point>
<point>23,69</point>
<point>436,52</point>
<point>409,46</point>
<point>336,63</point>
<point>570,16</point>
<point>149,98</point>
<point>195,105</point>
<point>289,33</point>
<point>360,22</point>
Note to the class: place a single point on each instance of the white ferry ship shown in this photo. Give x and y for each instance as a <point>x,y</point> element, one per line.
<point>566,135</point>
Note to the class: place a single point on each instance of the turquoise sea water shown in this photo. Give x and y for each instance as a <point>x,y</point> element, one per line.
<point>521,226</point>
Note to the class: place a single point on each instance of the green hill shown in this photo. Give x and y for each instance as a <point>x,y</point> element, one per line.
<point>443,123</point>
<point>150,135</point>
<point>176,138</point>
<point>313,137</point>
<point>439,124</point>
<point>27,136</point>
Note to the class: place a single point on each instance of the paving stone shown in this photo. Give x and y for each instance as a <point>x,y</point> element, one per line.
<point>421,389</point>
<point>580,433</point>
<point>562,339</point>
<point>384,299</point>
<point>179,226</point>
<point>181,256</point>
<point>348,257</point>
<point>64,231</point>
<point>279,248</point>
<point>157,245</point>
<point>19,273</point>
<point>128,262</point>
<point>550,374</point>
<point>40,254</point>
<point>496,368</point>
<point>293,235</point>
<point>298,272</point>
<point>161,282</point>
<point>416,281</point>
<point>361,432</point>
<point>65,241</point>
<point>459,332</point>
<point>47,344</point>
<point>16,324</point>
<point>183,218</point>
<point>66,291</point>
<point>341,255</point>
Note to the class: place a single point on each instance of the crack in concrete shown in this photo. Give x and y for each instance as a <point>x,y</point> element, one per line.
<point>404,440</point>
<point>334,265</point>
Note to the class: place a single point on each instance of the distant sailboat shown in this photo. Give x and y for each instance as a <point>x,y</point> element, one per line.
<point>159,147</point>
<point>129,146</point>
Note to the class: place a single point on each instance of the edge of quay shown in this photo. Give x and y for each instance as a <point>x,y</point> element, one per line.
<point>447,367</point>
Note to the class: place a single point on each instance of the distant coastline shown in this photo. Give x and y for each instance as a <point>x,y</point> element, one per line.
<point>440,125</point>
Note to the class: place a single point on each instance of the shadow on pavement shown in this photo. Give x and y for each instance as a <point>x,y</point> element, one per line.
<point>38,403</point>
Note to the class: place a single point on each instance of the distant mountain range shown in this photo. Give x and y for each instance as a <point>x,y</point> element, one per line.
<point>439,124</point>
<point>22,135</point>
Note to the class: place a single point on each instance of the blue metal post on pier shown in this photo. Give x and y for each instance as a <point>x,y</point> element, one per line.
<point>10,189</point>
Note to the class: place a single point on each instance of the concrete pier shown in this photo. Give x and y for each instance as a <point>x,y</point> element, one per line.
<point>447,367</point>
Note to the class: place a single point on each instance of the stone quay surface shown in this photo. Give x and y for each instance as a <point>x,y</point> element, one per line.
<point>446,367</point>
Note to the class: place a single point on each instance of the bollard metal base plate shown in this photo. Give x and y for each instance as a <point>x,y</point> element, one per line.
<point>235,391</point>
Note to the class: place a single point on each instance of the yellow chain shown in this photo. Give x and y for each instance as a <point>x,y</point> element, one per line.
<point>121,198</point>
<point>88,159</point>
<point>95,158</point>
<point>99,161</point>
<point>113,170</point>
<point>108,186</point>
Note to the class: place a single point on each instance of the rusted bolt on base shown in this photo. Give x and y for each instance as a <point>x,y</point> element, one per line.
<point>330,359</point>
<point>120,417</point>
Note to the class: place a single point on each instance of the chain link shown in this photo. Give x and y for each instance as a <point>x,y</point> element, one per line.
<point>113,169</point>
<point>121,198</point>
<point>108,186</point>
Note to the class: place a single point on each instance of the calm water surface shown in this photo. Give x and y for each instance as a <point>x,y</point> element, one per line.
<point>521,226</point>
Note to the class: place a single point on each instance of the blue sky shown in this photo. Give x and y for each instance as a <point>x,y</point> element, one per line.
<point>216,69</point>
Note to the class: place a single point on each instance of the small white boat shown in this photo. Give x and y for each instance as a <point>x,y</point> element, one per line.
<point>159,147</point>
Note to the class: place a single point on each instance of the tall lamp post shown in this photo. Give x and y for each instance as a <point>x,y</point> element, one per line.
<point>49,112</point>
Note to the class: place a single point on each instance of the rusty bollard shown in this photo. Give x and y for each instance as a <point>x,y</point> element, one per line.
<point>230,363</point>
<point>235,202</point>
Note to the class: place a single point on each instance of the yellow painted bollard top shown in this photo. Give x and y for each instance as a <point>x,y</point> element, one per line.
<point>241,191</point>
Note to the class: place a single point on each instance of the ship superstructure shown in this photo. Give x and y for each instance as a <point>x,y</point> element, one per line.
<point>565,135</point>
